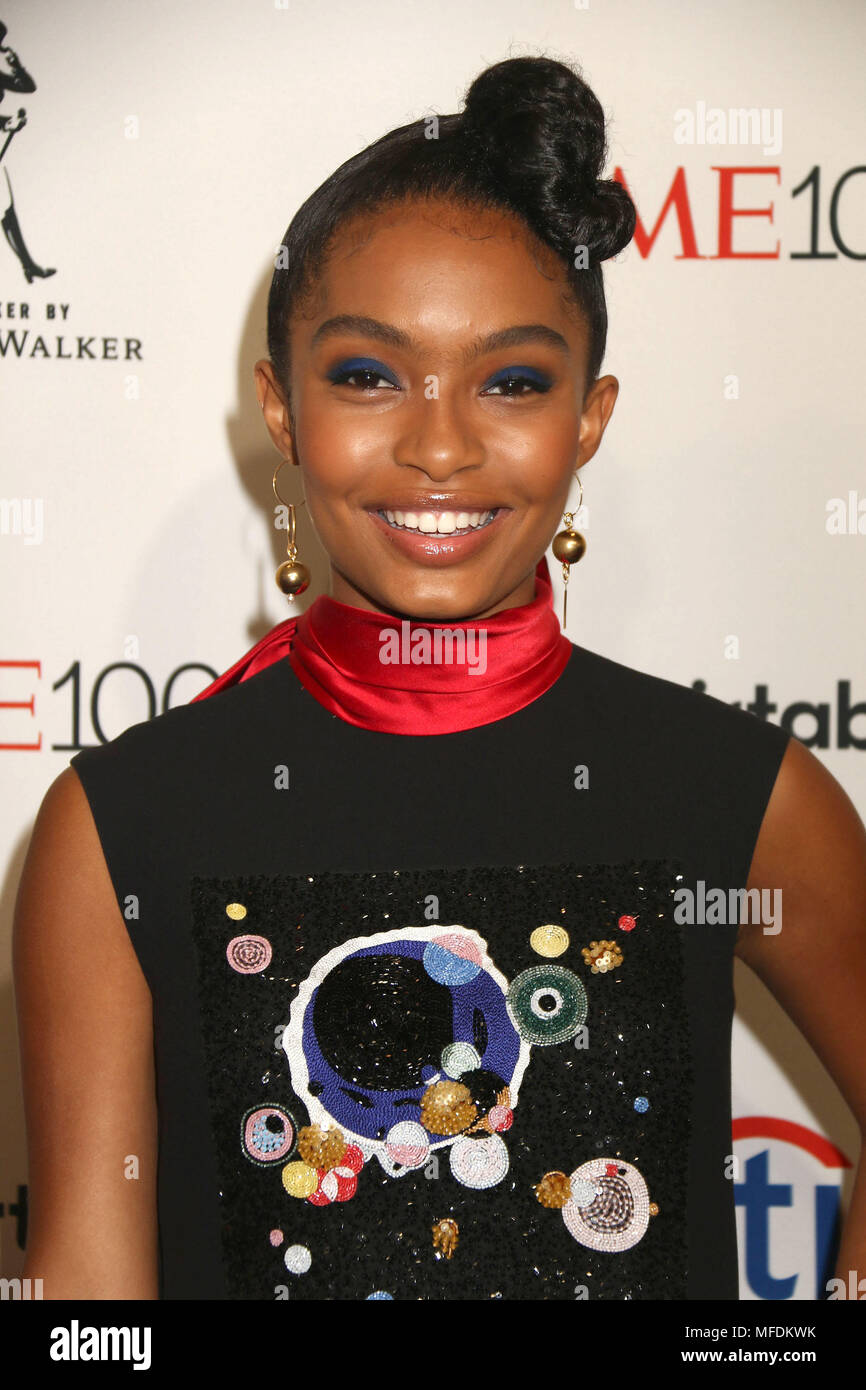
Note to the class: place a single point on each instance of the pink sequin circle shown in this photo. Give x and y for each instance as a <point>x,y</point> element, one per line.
<point>499,1117</point>
<point>268,1134</point>
<point>249,955</point>
<point>459,946</point>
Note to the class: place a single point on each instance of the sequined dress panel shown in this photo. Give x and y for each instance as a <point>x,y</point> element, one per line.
<point>428,1021</point>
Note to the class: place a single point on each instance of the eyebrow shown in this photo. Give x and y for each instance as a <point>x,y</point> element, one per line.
<point>514,336</point>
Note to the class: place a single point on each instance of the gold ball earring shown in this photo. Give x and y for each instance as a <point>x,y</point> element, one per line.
<point>292,578</point>
<point>569,546</point>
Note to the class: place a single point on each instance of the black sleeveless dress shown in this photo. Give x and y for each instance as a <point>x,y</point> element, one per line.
<point>428,1021</point>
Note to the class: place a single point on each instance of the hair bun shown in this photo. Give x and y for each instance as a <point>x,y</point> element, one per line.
<point>540,132</point>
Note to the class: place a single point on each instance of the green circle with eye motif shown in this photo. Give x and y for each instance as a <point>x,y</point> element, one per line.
<point>547,1004</point>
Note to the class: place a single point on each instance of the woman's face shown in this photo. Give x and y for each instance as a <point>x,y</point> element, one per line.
<point>408,397</point>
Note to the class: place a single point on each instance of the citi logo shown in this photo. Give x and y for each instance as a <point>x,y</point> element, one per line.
<point>76,1343</point>
<point>789,1209</point>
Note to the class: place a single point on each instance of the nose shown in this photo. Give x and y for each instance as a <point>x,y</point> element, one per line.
<point>439,436</point>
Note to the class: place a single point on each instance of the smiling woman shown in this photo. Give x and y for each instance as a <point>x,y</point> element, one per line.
<point>465,252</point>
<point>414,958</point>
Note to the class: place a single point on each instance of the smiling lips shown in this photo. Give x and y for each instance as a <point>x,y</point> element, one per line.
<point>436,513</point>
<point>434,534</point>
<point>431,523</point>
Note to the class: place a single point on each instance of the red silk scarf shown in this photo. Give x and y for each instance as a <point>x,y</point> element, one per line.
<point>392,675</point>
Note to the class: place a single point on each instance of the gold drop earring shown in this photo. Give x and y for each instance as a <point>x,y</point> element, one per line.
<point>569,546</point>
<point>292,578</point>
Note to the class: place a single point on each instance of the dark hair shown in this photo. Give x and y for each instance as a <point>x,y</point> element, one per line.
<point>530,140</point>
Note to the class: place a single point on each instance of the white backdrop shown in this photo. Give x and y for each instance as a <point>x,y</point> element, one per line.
<point>165,150</point>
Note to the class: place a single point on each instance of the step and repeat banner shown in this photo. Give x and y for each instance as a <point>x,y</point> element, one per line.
<point>151,156</point>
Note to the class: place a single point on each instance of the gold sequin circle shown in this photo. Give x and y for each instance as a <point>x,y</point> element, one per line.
<point>322,1148</point>
<point>554,1190</point>
<point>602,956</point>
<point>550,940</point>
<point>447,1107</point>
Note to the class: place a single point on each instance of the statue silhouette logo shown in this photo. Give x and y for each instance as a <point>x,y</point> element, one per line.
<point>15,78</point>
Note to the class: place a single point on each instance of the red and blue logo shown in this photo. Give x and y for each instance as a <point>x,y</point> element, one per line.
<point>788,1195</point>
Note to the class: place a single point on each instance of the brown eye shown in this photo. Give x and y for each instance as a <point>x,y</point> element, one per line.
<point>522,382</point>
<point>367,372</point>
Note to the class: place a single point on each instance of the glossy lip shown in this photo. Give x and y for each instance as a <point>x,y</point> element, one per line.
<point>439,550</point>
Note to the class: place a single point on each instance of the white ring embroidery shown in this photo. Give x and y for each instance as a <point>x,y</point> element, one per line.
<point>616,1214</point>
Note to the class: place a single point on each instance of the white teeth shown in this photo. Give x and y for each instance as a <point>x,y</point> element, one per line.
<point>437,523</point>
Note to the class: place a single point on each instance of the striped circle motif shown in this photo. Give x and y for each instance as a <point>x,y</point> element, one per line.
<point>609,1207</point>
<point>479,1163</point>
<point>249,955</point>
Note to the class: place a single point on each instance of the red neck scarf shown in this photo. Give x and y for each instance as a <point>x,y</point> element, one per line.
<point>390,674</point>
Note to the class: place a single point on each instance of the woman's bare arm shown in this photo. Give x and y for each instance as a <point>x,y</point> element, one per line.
<point>86,1033</point>
<point>812,845</point>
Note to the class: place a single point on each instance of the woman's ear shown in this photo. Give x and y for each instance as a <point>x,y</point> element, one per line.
<point>597,409</point>
<point>274,406</point>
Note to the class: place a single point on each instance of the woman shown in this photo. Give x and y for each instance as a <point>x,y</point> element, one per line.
<point>378,947</point>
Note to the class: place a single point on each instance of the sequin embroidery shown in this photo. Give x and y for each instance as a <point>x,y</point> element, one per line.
<point>458,1084</point>
<point>610,1209</point>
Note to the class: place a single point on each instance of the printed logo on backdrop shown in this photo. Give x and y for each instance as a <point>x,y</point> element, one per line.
<point>97,707</point>
<point>28,326</point>
<point>817,724</point>
<point>93,706</point>
<point>14,77</point>
<point>787,1190</point>
<point>828,199</point>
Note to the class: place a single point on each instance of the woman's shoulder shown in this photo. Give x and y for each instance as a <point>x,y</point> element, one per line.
<point>185,733</point>
<point>645,704</point>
